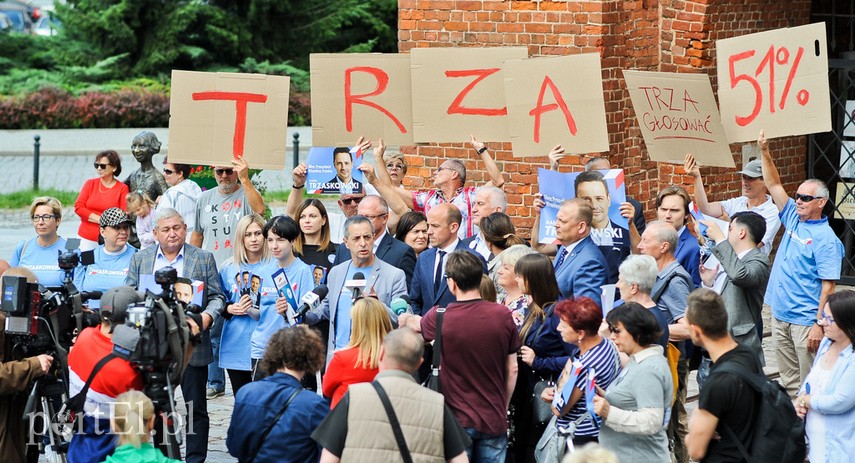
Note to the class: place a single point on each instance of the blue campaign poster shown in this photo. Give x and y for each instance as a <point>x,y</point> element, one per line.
<point>557,187</point>
<point>334,171</point>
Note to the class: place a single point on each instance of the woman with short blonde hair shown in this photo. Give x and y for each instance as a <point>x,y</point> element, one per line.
<point>358,361</point>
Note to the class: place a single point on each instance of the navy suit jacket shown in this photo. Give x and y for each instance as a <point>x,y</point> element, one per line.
<point>688,253</point>
<point>422,295</point>
<point>391,250</point>
<point>583,271</point>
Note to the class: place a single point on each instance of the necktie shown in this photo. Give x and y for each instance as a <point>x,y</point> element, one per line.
<point>561,257</point>
<point>437,280</point>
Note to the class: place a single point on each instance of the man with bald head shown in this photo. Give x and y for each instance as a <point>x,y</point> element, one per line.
<point>386,247</point>
<point>429,288</point>
<point>805,272</point>
<point>488,199</point>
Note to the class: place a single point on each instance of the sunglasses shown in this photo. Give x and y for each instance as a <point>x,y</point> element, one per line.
<point>101,166</point>
<point>349,201</point>
<point>168,171</point>
<point>222,172</point>
<point>806,198</point>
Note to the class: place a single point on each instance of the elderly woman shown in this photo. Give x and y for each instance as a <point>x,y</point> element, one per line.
<point>111,260</point>
<point>636,276</point>
<point>98,195</point>
<point>580,321</point>
<point>826,399</point>
<point>511,294</point>
<point>635,407</point>
<point>396,166</point>
<point>499,234</point>
<point>40,254</point>
<point>182,194</point>
<point>273,418</point>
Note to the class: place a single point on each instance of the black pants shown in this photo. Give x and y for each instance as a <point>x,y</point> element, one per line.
<point>197,426</point>
<point>239,378</point>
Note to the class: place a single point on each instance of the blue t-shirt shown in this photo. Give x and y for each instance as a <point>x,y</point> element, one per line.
<point>236,339</point>
<point>41,260</point>
<point>345,301</point>
<point>809,253</point>
<point>108,271</point>
<point>300,276</point>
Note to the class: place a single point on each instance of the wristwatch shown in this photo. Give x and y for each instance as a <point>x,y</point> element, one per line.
<point>481,151</point>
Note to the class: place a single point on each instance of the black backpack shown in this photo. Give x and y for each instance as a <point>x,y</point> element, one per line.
<point>779,434</point>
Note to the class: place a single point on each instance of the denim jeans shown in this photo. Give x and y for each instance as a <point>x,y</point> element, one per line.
<point>216,375</point>
<point>486,448</point>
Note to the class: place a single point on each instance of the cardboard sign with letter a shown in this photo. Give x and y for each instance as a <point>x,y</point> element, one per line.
<point>460,91</point>
<point>361,94</point>
<point>678,115</point>
<point>215,117</point>
<point>556,100</point>
<point>775,80</point>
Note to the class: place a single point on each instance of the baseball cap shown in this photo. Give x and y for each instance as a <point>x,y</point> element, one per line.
<point>119,297</point>
<point>113,217</point>
<point>752,169</point>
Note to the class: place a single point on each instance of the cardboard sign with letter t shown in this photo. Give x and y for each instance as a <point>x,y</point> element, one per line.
<point>556,101</point>
<point>775,80</point>
<point>215,117</point>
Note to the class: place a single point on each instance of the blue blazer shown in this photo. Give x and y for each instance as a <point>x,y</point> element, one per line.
<point>422,295</point>
<point>198,265</point>
<point>583,271</point>
<point>392,251</point>
<point>688,253</point>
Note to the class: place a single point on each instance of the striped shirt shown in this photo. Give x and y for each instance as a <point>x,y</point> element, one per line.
<point>604,359</point>
<point>463,199</point>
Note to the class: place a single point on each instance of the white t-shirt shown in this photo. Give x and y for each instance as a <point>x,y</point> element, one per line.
<point>768,210</point>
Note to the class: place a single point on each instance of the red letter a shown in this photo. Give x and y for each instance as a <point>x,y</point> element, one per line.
<point>540,109</point>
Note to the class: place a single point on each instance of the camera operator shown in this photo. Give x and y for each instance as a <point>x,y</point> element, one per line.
<point>16,377</point>
<point>193,263</point>
<point>93,441</point>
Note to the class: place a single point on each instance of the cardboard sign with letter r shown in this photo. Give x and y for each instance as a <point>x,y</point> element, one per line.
<point>215,117</point>
<point>677,114</point>
<point>556,100</point>
<point>361,94</point>
<point>460,91</point>
<point>776,81</point>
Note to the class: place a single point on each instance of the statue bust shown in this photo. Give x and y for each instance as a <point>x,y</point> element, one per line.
<point>146,179</point>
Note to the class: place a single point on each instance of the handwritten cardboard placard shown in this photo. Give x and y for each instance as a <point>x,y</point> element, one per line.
<point>556,100</point>
<point>677,114</point>
<point>460,91</point>
<point>845,201</point>
<point>215,117</point>
<point>775,80</point>
<point>356,94</point>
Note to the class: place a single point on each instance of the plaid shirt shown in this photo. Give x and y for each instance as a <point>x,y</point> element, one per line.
<point>463,199</point>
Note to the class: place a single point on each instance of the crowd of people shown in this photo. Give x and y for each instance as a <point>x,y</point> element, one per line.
<point>523,357</point>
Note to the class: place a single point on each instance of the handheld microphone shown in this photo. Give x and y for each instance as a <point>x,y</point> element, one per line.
<point>313,299</point>
<point>401,305</point>
<point>356,285</point>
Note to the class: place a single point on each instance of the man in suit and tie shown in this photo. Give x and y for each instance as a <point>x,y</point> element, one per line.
<point>192,263</point>
<point>580,268</point>
<point>740,277</point>
<point>429,288</point>
<point>488,199</point>
<point>387,248</point>
<point>383,281</point>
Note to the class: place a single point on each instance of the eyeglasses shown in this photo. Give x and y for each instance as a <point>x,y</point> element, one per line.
<point>372,217</point>
<point>43,218</point>
<point>825,318</point>
<point>222,172</point>
<point>349,201</point>
<point>393,166</point>
<point>100,166</point>
<point>806,198</point>
<point>614,330</point>
<point>168,171</point>
<point>441,168</point>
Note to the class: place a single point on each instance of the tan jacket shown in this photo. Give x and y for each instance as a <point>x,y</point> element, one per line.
<point>16,378</point>
<point>419,411</point>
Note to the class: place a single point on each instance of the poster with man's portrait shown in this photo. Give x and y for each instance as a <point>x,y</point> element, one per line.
<point>334,171</point>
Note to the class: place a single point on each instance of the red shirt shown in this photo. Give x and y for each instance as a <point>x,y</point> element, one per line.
<point>114,378</point>
<point>342,372</point>
<point>94,198</point>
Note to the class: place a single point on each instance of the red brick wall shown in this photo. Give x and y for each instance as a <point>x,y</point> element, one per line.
<point>654,35</point>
